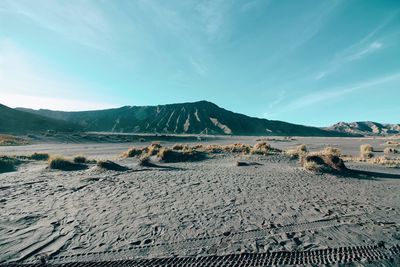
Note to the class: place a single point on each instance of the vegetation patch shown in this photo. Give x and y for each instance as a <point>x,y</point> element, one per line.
<point>8,164</point>
<point>332,151</point>
<point>297,152</point>
<point>323,163</point>
<point>10,140</point>
<point>39,156</point>
<point>390,150</point>
<point>80,159</point>
<point>366,151</point>
<point>153,149</point>
<point>169,155</point>
<point>110,165</point>
<point>132,152</point>
<point>60,163</point>
<point>263,148</point>
<point>144,160</point>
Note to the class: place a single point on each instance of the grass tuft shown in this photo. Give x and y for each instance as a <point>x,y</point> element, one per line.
<point>169,155</point>
<point>322,163</point>
<point>132,152</point>
<point>80,159</point>
<point>60,163</point>
<point>297,152</point>
<point>8,164</point>
<point>39,156</point>
<point>366,151</point>
<point>110,165</point>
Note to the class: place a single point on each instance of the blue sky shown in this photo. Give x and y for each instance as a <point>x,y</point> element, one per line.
<point>308,62</point>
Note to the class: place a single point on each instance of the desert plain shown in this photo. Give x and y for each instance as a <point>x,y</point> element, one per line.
<point>210,206</point>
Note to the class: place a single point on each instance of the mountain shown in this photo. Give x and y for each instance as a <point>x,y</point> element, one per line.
<point>367,128</point>
<point>16,121</point>
<point>191,118</point>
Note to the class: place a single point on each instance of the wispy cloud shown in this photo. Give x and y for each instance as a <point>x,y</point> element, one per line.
<point>369,49</point>
<point>199,67</point>
<point>360,49</point>
<point>333,93</point>
<point>82,22</point>
<point>26,80</point>
<point>212,15</point>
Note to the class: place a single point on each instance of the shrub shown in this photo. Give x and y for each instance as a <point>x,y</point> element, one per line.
<point>39,156</point>
<point>238,148</point>
<point>332,151</point>
<point>132,152</point>
<point>80,159</point>
<point>60,163</point>
<point>111,166</point>
<point>391,163</point>
<point>393,143</point>
<point>169,155</point>
<point>263,148</point>
<point>390,150</point>
<point>153,149</point>
<point>9,140</point>
<point>297,152</point>
<point>366,151</point>
<point>8,164</point>
<point>323,163</point>
<point>144,160</point>
<point>179,147</point>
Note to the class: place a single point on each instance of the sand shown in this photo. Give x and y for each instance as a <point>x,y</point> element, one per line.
<point>153,212</point>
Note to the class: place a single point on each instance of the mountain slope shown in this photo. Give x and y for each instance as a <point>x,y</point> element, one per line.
<point>365,128</point>
<point>16,121</point>
<point>192,118</point>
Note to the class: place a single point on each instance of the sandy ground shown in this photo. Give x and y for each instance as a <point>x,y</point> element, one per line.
<point>275,205</point>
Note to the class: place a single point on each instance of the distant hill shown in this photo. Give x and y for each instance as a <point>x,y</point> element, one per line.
<point>367,128</point>
<point>16,121</point>
<point>191,118</point>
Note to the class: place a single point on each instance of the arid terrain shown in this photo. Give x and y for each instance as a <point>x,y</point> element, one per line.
<point>210,206</point>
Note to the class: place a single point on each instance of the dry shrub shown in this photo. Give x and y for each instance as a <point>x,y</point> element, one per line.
<point>110,165</point>
<point>39,156</point>
<point>60,163</point>
<point>263,148</point>
<point>238,148</point>
<point>323,163</point>
<point>132,152</point>
<point>8,164</point>
<point>80,159</point>
<point>390,150</point>
<point>332,151</point>
<point>144,160</point>
<point>9,140</point>
<point>393,143</point>
<point>387,162</point>
<point>214,149</point>
<point>179,147</point>
<point>366,151</point>
<point>169,155</point>
<point>153,149</point>
<point>297,152</point>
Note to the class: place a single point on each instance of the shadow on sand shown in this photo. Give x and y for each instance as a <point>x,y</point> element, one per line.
<point>368,175</point>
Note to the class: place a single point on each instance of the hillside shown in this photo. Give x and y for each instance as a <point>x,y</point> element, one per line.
<point>367,128</point>
<point>16,121</point>
<point>191,118</point>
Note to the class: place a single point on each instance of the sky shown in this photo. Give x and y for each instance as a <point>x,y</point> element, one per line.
<point>312,62</point>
